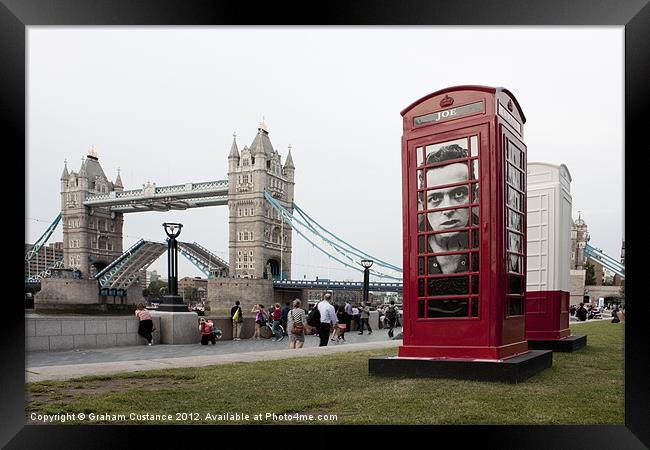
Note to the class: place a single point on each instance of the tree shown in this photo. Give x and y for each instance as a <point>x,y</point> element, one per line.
<point>158,288</point>
<point>190,294</point>
<point>590,275</point>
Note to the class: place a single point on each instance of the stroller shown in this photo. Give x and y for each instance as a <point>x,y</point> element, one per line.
<point>216,332</point>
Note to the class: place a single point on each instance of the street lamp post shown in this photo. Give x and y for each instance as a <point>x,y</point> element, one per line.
<point>366,263</point>
<point>172,301</point>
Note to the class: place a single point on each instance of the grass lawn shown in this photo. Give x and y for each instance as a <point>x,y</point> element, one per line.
<point>584,387</point>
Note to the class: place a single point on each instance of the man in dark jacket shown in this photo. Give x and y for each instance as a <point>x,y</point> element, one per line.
<point>581,312</point>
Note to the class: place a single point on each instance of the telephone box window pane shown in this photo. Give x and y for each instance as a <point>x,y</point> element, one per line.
<point>475,239</point>
<point>420,287</point>
<point>514,220</point>
<point>447,286</point>
<point>475,195</point>
<point>515,284</point>
<point>514,199</point>
<point>421,265</point>
<point>514,242</point>
<point>449,242</point>
<point>475,307</point>
<point>420,178</point>
<point>474,173</point>
<point>423,223</point>
<point>514,155</point>
<point>421,244</point>
<point>515,307</point>
<point>420,156</point>
<point>514,263</point>
<point>447,308</point>
<point>514,176</point>
<point>518,157</point>
<point>447,197</point>
<point>446,151</point>
<point>474,284</point>
<point>474,262</point>
<point>458,263</point>
<point>473,142</point>
<point>420,308</point>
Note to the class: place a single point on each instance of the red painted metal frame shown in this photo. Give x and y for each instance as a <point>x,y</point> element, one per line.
<point>493,334</point>
<point>547,315</point>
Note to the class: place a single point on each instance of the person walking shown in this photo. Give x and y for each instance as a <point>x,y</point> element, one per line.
<point>276,316</point>
<point>327,319</point>
<point>296,325</point>
<point>145,327</point>
<point>260,319</point>
<point>348,315</point>
<point>357,318</point>
<point>364,311</point>
<point>285,317</point>
<point>391,317</point>
<point>237,317</point>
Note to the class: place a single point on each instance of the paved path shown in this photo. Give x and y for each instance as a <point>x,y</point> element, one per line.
<point>64,365</point>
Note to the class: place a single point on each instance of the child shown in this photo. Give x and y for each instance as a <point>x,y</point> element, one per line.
<point>206,332</point>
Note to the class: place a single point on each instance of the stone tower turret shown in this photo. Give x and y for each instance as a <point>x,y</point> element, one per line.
<point>92,238</point>
<point>259,243</point>
<point>579,239</point>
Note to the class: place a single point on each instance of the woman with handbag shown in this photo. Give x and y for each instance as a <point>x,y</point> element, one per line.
<point>296,324</point>
<point>260,319</point>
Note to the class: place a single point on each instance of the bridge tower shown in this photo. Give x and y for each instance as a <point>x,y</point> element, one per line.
<point>259,243</point>
<point>92,237</point>
<point>579,238</point>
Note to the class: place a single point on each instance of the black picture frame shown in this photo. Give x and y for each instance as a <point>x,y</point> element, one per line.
<point>634,15</point>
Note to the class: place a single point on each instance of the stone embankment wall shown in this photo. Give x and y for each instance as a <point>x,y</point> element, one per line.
<point>52,333</point>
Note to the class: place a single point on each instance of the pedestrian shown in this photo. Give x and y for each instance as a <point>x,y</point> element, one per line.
<point>357,318</point>
<point>145,326</point>
<point>391,317</point>
<point>348,315</point>
<point>285,315</point>
<point>342,316</point>
<point>364,312</point>
<point>381,317</point>
<point>276,316</point>
<point>206,332</point>
<point>260,319</point>
<point>327,319</point>
<point>237,317</point>
<point>296,324</point>
<point>581,312</point>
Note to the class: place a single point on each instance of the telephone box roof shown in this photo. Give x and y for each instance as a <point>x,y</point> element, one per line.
<point>492,90</point>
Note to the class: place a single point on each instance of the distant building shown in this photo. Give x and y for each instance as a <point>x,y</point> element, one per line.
<point>46,257</point>
<point>200,284</point>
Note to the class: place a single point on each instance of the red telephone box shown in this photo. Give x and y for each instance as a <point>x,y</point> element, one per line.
<point>464,210</point>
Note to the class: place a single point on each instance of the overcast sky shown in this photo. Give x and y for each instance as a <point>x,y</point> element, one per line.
<point>162,105</point>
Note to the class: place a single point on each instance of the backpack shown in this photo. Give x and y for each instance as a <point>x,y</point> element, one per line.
<point>391,313</point>
<point>313,319</point>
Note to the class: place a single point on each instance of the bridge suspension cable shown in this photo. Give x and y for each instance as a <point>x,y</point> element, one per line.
<point>311,226</point>
<point>350,248</point>
<point>42,240</point>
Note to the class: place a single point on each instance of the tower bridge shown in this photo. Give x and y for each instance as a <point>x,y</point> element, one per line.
<point>93,209</point>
